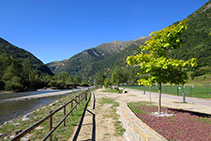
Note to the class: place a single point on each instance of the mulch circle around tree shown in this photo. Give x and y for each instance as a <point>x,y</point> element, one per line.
<point>183,125</point>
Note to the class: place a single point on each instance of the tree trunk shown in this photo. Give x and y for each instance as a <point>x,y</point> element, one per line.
<point>183,93</point>
<point>159,103</point>
<point>150,97</point>
<point>144,90</point>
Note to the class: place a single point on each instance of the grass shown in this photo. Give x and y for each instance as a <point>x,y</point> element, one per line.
<point>62,133</point>
<point>113,114</point>
<point>133,106</point>
<point>204,79</point>
<point>206,120</point>
<point>109,90</point>
<point>199,91</point>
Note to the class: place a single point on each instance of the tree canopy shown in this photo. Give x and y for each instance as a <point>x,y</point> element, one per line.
<point>155,62</point>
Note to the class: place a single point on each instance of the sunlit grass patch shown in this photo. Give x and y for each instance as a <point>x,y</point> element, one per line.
<point>112,113</point>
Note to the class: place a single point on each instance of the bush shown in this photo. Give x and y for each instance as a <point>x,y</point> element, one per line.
<point>15,84</point>
<point>2,85</point>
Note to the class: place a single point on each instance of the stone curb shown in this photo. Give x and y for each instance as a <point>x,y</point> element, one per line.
<point>136,130</point>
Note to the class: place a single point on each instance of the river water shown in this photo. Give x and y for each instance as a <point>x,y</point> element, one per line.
<point>10,109</point>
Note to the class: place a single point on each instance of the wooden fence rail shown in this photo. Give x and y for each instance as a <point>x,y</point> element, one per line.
<point>77,99</point>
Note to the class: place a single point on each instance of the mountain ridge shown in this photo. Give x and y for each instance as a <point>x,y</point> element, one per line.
<point>21,54</point>
<point>76,65</point>
<point>196,44</point>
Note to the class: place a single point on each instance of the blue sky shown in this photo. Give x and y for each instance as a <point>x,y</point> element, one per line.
<point>54,30</point>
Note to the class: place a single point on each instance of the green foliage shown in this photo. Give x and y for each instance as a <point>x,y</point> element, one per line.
<point>209,34</point>
<point>15,84</point>
<point>99,80</point>
<point>20,70</point>
<point>107,83</point>
<point>22,55</point>
<point>196,41</point>
<point>118,76</point>
<point>63,81</point>
<point>100,59</point>
<point>18,76</point>
<point>77,80</point>
<point>155,62</point>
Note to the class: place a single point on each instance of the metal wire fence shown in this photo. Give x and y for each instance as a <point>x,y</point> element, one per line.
<point>200,91</point>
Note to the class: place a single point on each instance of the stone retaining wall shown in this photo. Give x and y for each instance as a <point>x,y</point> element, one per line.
<point>136,130</point>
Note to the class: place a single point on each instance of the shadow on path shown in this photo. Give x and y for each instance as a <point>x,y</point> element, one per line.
<point>81,121</point>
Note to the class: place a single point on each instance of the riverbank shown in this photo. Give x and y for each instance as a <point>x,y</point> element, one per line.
<point>40,96</point>
<point>18,104</point>
<point>12,127</point>
<point>5,92</point>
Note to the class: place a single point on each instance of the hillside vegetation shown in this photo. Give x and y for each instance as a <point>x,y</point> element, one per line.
<point>197,40</point>
<point>19,69</point>
<point>87,63</point>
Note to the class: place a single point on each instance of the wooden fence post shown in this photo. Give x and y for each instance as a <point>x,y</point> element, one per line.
<point>64,115</point>
<point>76,103</point>
<point>50,125</point>
<point>71,107</point>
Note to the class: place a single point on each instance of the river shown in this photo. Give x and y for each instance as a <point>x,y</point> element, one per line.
<point>13,105</point>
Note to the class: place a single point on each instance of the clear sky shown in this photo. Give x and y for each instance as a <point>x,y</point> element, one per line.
<point>54,30</point>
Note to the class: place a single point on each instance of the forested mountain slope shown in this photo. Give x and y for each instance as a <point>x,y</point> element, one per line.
<point>22,55</point>
<point>19,69</point>
<point>83,64</point>
<point>197,40</point>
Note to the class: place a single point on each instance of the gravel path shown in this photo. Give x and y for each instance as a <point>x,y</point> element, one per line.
<point>97,125</point>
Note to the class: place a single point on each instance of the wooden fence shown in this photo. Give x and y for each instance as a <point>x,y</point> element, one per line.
<point>77,100</point>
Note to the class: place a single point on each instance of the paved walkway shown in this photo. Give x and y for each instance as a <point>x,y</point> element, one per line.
<point>200,101</point>
<point>192,102</point>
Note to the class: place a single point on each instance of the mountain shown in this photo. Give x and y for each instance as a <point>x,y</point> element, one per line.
<point>86,63</point>
<point>19,69</point>
<point>196,43</point>
<point>20,55</point>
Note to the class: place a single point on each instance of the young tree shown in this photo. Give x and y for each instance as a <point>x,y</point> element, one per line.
<point>77,80</point>
<point>155,62</point>
<point>118,76</point>
<point>99,80</point>
<point>107,82</point>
